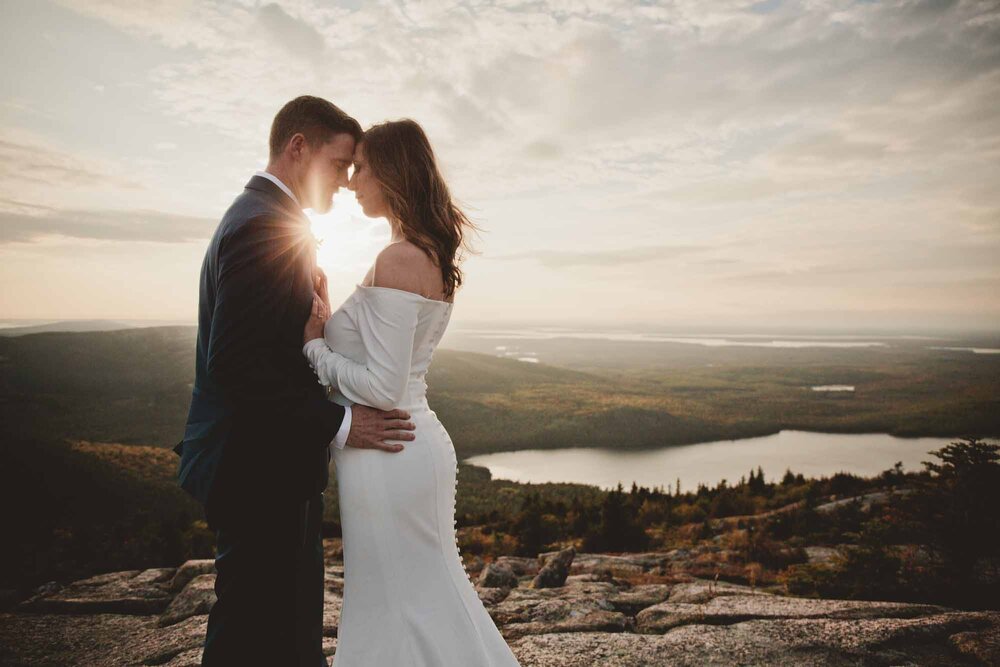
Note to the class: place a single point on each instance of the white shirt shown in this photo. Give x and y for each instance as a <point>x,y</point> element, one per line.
<point>339,440</point>
<point>277,181</point>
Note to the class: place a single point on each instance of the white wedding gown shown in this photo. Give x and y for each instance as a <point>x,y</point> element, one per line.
<point>407,598</point>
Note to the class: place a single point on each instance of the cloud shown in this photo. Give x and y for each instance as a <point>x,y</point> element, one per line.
<point>36,163</point>
<point>845,144</point>
<point>544,150</point>
<point>177,23</point>
<point>830,147</point>
<point>296,36</point>
<point>22,226</point>
<point>559,259</point>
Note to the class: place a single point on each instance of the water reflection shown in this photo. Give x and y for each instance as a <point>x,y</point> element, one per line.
<point>812,454</point>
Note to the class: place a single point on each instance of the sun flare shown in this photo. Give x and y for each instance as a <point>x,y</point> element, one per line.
<point>349,242</point>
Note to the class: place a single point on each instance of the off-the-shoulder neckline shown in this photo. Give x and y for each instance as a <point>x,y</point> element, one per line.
<point>403,291</point>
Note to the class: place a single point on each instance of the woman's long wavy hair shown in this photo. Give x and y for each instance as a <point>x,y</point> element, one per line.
<point>401,160</point>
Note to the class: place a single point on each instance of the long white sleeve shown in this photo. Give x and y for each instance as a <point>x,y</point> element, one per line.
<point>387,321</point>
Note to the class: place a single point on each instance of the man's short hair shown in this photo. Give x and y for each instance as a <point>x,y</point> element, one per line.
<point>317,119</point>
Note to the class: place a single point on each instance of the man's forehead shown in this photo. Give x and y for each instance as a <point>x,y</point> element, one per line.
<point>341,147</point>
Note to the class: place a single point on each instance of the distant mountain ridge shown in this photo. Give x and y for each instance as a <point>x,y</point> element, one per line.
<point>13,328</point>
<point>133,386</point>
<point>64,325</point>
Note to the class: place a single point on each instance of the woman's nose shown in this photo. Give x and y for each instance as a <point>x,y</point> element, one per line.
<point>350,184</point>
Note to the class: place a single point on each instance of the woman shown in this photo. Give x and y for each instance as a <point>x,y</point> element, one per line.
<point>407,598</point>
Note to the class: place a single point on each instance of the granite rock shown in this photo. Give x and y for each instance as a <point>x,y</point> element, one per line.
<point>196,598</point>
<point>129,592</point>
<point>729,609</point>
<point>592,619</point>
<point>497,575</point>
<point>633,600</point>
<point>189,570</point>
<point>555,569</point>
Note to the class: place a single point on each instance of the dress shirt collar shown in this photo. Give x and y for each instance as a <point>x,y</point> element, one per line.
<point>277,181</point>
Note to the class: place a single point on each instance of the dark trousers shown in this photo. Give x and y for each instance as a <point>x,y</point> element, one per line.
<point>269,587</point>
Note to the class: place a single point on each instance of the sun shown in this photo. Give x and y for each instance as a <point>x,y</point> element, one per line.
<point>349,242</point>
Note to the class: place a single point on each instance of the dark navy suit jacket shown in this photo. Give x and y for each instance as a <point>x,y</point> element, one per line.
<point>259,425</point>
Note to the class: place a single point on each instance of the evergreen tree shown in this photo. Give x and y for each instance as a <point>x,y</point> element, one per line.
<point>528,526</point>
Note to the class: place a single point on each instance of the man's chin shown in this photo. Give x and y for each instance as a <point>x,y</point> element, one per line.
<point>324,207</point>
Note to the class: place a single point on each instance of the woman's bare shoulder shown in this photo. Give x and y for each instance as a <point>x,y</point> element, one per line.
<point>404,266</point>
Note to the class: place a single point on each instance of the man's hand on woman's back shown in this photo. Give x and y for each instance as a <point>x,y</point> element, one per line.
<point>371,428</point>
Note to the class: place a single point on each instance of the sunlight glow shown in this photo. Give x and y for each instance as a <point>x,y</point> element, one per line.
<point>349,240</point>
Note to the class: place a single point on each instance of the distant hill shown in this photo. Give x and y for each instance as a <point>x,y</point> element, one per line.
<point>130,386</point>
<point>65,325</point>
<point>133,386</point>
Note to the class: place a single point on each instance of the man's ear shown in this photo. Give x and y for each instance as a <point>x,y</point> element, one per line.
<point>297,144</point>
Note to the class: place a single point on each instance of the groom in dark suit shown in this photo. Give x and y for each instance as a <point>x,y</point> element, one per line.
<point>255,451</point>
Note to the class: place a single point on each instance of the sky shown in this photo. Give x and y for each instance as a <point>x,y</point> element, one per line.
<point>727,163</point>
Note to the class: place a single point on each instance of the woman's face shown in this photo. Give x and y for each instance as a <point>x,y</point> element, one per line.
<point>366,189</point>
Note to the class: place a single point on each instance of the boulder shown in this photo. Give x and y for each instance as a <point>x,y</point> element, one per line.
<point>130,592</point>
<point>622,564</point>
<point>198,597</point>
<point>582,607</point>
<point>491,596</point>
<point>589,621</point>
<point>703,590</point>
<point>554,570</point>
<point>729,609</point>
<point>188,571</point>
<point>633,600</point>
<point>170,642</point>
<point>475,564</point>
<point>521,566</point>
<point>497,575</point>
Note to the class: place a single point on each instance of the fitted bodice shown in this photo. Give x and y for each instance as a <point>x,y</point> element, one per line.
<point>382,328</point>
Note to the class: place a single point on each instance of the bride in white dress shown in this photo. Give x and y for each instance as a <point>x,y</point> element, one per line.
<point>407,598</point>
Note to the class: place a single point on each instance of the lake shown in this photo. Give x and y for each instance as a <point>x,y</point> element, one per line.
<point>812,454</point>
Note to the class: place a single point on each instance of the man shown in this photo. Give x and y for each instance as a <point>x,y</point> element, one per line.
<point>255,448</point>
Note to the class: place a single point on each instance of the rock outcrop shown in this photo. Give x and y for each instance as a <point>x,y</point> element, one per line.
<point>497,575</point>
<point>555,569</point>
<point>612,611</point>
